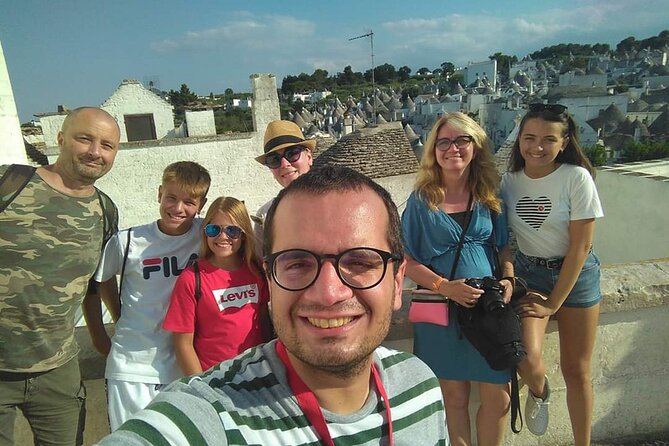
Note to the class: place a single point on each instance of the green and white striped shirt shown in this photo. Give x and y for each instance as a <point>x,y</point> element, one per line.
<point>247,401</point>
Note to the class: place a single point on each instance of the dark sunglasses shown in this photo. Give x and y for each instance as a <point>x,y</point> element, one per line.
<point>232,232</point>
<point>291,154</point>
<point>558,109</point>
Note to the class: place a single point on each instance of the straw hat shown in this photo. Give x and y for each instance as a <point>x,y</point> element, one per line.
<point>281,134</point>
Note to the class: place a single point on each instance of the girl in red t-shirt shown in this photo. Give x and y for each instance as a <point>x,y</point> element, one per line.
<point>226,312</point>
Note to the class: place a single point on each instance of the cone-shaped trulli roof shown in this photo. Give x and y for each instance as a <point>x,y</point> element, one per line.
<point>629,127</point>
<point>338,103</point>
<point>393,104</point>
<point>366,106</point>
<point>380,119</point>
<point>378,152</point>
<point>297,119</point>
<point>637,106</point>
<point>311,131</point>
<point>410,133</point>
<point>446,98</point>
<point>613,114</point>
<point>595,70</point>
<point>661,125</point>
<point>658,106</point>
<point>460,90</point>
<point>408,103</point>
<point>359,122</point>
<point>306,115</point>
<point>384,97</point>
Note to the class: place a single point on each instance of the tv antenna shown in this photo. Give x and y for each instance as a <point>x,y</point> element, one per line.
<point>370,34</point>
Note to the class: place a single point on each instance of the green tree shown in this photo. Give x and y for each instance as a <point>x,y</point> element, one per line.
<point>385,73</point>
<point>596,154</point>
<point>182,97</point>
<point>448,68</point>
<point>422,71</point>
<point>504,63</point>
<point>229,92</point>
<point>403,73</point>
<point>645,151</point>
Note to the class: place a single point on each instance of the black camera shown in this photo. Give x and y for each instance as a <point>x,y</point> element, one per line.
<point>491,299</point>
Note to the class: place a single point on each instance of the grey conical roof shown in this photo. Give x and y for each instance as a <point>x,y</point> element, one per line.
<point>637,106</point>
<point>661,125</point>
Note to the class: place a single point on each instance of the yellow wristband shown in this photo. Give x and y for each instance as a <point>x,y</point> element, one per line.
<point>437,283</point>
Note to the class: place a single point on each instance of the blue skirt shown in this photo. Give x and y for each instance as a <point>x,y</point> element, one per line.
<point>451,357</point>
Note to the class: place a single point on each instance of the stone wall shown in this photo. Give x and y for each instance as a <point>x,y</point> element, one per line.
<point>630,374</point>
<point>635,222</point>
<point>200,123</point>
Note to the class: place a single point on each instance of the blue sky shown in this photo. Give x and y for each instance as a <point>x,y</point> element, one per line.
<point>76,52</point>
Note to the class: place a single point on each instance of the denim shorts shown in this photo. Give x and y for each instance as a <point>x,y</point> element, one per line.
<point>586,291</point>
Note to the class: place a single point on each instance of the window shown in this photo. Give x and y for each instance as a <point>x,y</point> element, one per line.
<point>140,127</point>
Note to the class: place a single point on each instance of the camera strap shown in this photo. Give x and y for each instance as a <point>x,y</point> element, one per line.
<point>465,226</point>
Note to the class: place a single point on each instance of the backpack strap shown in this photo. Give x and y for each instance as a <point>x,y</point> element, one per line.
<point>13,181</point>
<point>109,216</point>
<point>125,260</point>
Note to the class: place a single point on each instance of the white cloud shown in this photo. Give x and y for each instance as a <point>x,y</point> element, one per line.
<point>246,34</point>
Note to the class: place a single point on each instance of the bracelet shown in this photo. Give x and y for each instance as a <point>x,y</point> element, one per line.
<point>437,283</point>
<point>511,279</point>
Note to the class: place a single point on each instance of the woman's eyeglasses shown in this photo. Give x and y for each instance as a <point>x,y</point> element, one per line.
<point>291,154</point>
<point>231,231</point>
<point>558,109</point>
<point>461,142</point>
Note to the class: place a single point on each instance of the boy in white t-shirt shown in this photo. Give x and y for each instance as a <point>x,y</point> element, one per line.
<point>148,258</point>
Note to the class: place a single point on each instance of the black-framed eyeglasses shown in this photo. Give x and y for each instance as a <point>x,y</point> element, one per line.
<point>359,268</point>
<point>291,154</point>
<point>558,109</point>
<point>231,231</point>
<point>460,142</point>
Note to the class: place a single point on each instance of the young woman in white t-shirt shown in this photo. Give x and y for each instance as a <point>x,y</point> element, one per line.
<point>552,205</point>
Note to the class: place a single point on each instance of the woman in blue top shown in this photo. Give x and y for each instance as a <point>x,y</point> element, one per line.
<point>457,164</point>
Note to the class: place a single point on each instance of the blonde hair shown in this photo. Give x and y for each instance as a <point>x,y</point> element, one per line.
<point>236,210</point>
<point>483,179</point>
<point>190,177</point>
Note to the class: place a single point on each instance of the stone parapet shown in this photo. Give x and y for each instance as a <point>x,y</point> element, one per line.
<point>629,373</point>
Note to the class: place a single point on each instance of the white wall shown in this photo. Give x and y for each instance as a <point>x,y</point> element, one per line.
<point>200,122</point>
<point>636,220</point>
<point>51,125</point>
<point>131,98</point>
<point>478,70</point>
<point>13,150</point>
<point>584,109</point>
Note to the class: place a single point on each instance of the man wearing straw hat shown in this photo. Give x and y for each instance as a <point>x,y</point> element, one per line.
<point>288,155</point>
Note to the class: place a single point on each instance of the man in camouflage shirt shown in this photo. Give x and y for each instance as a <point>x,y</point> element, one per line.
<point>51,236</point>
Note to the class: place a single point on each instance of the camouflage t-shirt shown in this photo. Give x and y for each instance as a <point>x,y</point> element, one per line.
<point>50,246</point>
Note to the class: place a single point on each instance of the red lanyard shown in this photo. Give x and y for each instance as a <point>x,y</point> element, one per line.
<point>309,404</point>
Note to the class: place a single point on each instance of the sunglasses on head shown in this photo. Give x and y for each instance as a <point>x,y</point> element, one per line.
<point>231,231</point>
<point>558,109</point>
<point>291,154</point>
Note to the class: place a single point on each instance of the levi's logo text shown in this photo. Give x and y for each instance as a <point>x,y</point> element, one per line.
<point>237,296</point>
<point>169,266</point>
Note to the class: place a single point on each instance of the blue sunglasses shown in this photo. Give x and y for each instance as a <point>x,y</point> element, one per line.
<point>232,232</point>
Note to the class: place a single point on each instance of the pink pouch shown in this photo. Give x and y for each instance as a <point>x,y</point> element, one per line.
<point>429,308</point>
